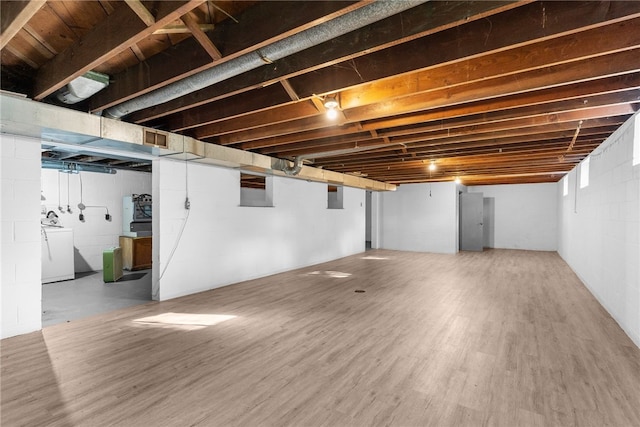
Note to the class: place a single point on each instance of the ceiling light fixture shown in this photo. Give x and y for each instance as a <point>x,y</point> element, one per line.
<point>457,180</point>
<point>432,165</point>
<point>331,104</point>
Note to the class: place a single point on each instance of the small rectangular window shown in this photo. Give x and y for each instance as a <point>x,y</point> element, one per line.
<point>334,197</point>
<point>255,190</point>
<point>565,185</point>
<point>584,172</point>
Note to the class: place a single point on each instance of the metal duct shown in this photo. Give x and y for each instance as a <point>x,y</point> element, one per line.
<point>293,170</point>
<point>305,39</point>
<point>74,167</point>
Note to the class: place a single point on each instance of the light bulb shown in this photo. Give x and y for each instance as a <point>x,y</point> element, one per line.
<point>330,102</point>
<point>457,180</point>
<point>432,166</point>
<point>332,113</point>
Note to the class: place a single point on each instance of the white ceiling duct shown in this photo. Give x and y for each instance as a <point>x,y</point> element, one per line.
<point>83,87</point>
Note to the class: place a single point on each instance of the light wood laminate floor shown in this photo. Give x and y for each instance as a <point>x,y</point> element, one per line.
<point>506,338</point>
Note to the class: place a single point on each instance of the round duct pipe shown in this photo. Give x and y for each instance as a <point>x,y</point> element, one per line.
<point>303,40</point>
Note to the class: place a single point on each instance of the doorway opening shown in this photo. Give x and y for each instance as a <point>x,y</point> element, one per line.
<point>96,238</point>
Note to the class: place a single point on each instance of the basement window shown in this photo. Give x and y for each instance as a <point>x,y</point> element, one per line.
<point>584,172</point>
<point>565,185</point>
<point>334,197</point>
<point>256,190</point>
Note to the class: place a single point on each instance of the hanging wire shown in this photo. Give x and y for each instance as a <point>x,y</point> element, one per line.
<point>68,204</point>
<point>184,224</point>
<point>59,201</point>
<point>80,175</point>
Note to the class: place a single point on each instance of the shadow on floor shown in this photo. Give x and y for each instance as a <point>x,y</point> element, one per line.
<point>132,276</point>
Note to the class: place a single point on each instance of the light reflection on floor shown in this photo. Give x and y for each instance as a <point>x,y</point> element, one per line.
<point>182,321</point>
<point>335,274</point>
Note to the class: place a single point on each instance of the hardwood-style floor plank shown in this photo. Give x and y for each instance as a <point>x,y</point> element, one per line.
<point>498,338</point>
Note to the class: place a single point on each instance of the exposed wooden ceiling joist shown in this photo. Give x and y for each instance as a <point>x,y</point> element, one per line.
<point>14,15</point>
<point>142,12</point>
<point>247,128</point>
<point>480,37</point>
<point>187,58</point>
<point>115,33</point>
<point>380,35</point>
<point>201,37</point>
<point>494,92</point>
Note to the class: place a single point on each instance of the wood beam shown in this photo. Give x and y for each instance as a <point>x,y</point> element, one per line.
<point>289,89</point>
<point>182,29</point>
<point>609,65</point>
<point>497,139</point>
<point>487,35</point>
<point>380,35</point>
<point>201,37</point>
<point>284,116</point>
<point>262,99</point>
<point>142,12</point>
<point>544,97</point>
<point>504,31</point>
<point>14,15</point>
<point>533,101</point>
<point>480,135</point>
<point>455,118</point>
<point>556,76</point>
<point>186,58</point>
<point>437,139</point>
<point>116,32</point>
<point>507,144</point>
<point>596,42</point>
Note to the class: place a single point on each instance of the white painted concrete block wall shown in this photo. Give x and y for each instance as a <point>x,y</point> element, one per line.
<point>524,216</point>
<point>599,228</point>
<point>224,243</point>
<point>95,234</point>
<point>420,217</point>
<point>20,288</point>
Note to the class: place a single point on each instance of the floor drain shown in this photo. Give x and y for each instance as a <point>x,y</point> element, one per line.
<point>359,291</point>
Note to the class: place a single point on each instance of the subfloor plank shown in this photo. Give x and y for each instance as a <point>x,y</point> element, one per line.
<point>498,338</point>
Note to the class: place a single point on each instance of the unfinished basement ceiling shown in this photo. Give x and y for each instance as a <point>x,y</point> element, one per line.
<point>52,154</point>
<point>491,91</point>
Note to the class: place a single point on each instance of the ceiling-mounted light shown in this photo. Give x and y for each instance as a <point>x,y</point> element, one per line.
<point>331,104</point>
<point>432,166</point>
<point>457,180</point>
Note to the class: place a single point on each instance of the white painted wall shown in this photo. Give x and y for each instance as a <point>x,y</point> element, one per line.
<point>20,254</point>
<point>520,216</point>
<point>95,234</point>
<point>224,243</point>
<point>420,217</point>
<point>599,227</point>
